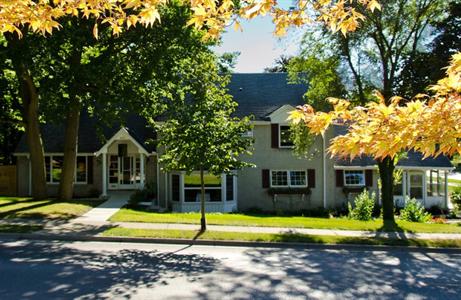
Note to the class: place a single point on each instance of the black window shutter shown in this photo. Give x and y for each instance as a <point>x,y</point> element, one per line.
<point>265,178</point>
<point>339,178</point>
<point>311,178</point>
<point>175,187</point>
<point>90,170</point>
<point>275,135</point>
<point>368,178</point>
<point>229,187</point>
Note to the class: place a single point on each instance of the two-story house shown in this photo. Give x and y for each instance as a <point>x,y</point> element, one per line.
<point>124,160</point>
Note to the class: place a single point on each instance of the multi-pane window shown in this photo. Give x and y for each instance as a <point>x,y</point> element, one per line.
<point>288,178</point>
<point>279,178</point>
<point>192,187</point>
<point>354,178</point>
<point>285,136</point>
<point>81,169</point>
<point>56,168</point>
<point>54,164</point>
<point>435,183</point>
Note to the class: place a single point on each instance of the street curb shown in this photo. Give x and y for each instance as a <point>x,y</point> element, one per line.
<point>139,240</point>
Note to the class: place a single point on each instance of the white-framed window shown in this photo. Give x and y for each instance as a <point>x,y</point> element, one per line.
<point>354,178</point>
<point>288,178</point>
<point>285,140</point>
<point>54,164</point>
<point>192,188</point>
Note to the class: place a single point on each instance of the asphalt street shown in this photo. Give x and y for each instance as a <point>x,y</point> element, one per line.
<point>97,270</point>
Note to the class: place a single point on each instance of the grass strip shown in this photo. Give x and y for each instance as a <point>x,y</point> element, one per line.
<point>137,215</point>
<point>275,238</point>
<point>16,228</point>
<point>13,208</point>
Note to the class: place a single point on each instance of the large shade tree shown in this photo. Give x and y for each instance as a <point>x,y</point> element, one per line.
<point>75,71</point>
<point>384,130</point>
<point>373,56</point>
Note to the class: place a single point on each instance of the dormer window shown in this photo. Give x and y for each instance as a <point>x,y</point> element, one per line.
<point>285,137</point>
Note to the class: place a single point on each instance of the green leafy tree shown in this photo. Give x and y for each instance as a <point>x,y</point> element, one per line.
<point>322,77</point>
<point>200,133</point>
<point>280,65</point>
<point>108,76</point>
<point>428,63</point>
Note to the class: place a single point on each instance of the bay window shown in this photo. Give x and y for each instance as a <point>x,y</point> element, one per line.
<point>192,188</point>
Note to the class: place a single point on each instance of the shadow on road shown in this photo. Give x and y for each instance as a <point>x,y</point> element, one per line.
<point>338,274</point>
<point>52,271</point>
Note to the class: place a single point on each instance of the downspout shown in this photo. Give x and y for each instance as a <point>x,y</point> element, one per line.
<point>157,177</point>
<point>324,172</point>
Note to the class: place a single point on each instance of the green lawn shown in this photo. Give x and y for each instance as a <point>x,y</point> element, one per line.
<point>456,181</point>
<point>265,237</point>
<point>132,215</point>
<point>14,207</point>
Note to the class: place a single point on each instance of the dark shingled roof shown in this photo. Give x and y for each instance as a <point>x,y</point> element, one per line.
<point>414,159</point>
<point>89,140</point>
<point>257,94</point>
<point>261,94</point>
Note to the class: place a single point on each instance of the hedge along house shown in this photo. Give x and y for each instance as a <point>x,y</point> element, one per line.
<point>124,159</point>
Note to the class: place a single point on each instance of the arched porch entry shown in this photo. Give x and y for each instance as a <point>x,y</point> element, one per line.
<point>123,163</point>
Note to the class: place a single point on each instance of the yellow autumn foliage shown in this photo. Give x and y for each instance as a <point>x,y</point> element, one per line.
<point>43,16</point>
<point>429,125</point>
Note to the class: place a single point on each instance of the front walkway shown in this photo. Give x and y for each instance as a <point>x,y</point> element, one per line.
<point>103,212</point>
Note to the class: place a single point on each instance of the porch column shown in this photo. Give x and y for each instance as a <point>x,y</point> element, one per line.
<point>142,175</point>
<point>404,185</point>
<point>446,189</point>
<point>181,188</point>
<point>223,187</point>
<point>424,187</point>
<point>104,174</point>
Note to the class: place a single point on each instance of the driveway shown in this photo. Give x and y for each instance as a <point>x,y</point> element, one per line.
<point>96,270</point>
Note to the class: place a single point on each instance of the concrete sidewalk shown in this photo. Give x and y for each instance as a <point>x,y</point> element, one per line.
<point>282,230</point>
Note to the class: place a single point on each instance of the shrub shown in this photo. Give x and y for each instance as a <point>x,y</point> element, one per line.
<point>363,206</point>
<point>456,197</point>
<point>414,212</point>
<point>138,196</point>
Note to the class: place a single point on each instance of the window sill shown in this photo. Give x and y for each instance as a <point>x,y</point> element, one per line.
<point>353,189</point>
<point>289,191</point>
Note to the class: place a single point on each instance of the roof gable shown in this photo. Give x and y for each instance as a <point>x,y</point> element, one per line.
<point>281,114</point>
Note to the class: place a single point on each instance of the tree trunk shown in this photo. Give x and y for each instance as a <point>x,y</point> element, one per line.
<point>30,117</point>
<point>202,202</point>
<point>386,173</point>
<point>66,186</point>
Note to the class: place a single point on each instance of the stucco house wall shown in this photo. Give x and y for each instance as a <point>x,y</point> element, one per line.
<point>252,194</point>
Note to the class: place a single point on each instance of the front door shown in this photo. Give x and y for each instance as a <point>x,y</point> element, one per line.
<point>124,172</point>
